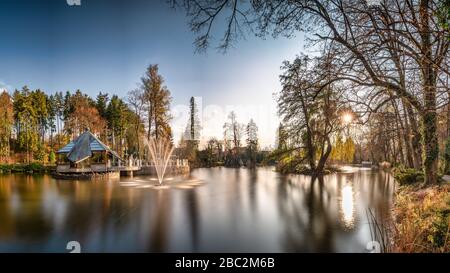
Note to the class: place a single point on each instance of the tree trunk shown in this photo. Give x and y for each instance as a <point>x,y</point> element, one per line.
<point>448,117</point>
<point>323,159</point>
<point>408,139</point>
<point>431,149</point>
<point>415,136</point>
<point>150,119</point>
<point>429,117</point>
<point>403,136</point>
<point>400,131</point>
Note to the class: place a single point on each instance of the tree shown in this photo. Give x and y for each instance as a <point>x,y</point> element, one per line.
<point>157,101</point>
<point>26,119</point>
<point>102,103</point>
<point>6,123</point>
<point>81,114</point>
<point>193,127</point>
<point>282,138</point>
<point>233,131</point>
<point>337,152</point>
<point>39,101</point>
<point>252,143</point>
<point>59,112</point>
<point>51,106</point>
<point>136,103</point>
<point>312,114</point>
<point>191,136</point>
<point>349,150</point>
<point>116,118</point>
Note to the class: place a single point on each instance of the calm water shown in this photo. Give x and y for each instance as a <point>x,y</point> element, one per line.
<point>234,210</point>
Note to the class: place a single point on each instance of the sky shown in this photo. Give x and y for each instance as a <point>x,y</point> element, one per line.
<point>106,45</point>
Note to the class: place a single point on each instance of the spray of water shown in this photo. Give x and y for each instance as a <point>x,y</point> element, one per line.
<point>160,150</point>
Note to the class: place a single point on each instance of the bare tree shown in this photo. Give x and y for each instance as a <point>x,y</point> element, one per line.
<point>136,103</point>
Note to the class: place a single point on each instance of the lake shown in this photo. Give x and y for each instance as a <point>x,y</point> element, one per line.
<point>216,210</point>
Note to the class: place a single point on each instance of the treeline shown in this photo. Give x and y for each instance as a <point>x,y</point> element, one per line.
<point>239,146</point>
<point>34,125</point>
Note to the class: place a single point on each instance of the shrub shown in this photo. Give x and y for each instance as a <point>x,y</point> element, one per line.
<point>422,219</point>
<point>35,168</point>
<point>52,157</point>
<point>5,168</point>
<point>407,176</point>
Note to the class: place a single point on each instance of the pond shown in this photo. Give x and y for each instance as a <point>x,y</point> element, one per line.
<point>226,210</point>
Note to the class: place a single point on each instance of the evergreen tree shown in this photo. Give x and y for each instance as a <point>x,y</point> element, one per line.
<point>6,123</point>
<point>252,143</point>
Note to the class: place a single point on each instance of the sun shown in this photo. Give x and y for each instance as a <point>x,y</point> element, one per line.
<point>347,118</point>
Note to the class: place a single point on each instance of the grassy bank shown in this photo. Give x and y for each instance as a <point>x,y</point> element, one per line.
<point>422,217</point>
<point>26,168</point>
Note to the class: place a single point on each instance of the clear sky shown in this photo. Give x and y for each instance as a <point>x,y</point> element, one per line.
<point>105,45</point>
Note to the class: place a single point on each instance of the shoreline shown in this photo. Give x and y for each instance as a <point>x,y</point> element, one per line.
<point>31,168</point>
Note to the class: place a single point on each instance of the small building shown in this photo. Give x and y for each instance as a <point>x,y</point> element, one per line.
<point>87,154</point>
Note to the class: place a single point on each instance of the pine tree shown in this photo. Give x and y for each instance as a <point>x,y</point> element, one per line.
<point>252,143</point>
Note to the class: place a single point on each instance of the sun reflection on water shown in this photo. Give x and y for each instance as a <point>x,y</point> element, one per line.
<point>347,206</point>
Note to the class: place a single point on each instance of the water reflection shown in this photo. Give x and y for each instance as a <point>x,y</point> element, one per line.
<point>229,210</point>
<point>347,206</point>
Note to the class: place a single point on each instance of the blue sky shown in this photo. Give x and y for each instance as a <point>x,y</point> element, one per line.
<point>105,45</point>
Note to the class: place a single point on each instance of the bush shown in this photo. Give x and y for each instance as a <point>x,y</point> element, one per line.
<point>440,228</point>
<point>407,176</point>
<point>5,168</point>
<point>52,157</point>
<point>422,217</point>
<point>23,168</point>
<point>35,168</point>
<point>447,157</point>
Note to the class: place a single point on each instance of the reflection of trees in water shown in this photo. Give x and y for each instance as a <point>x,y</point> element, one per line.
<point>318,212</point>
<point>7,219</point>
<point>304,207</point>
<point>252,180</point>
<point>100,215</point>
<point>104,216</point>
<point>193,216</point>
<point>378,211</point>
<point>160,221</point>
<point>89,210</point>
<point>27,221</point>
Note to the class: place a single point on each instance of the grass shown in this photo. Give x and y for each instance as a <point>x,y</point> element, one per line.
<point>380,231</point>
<point>422,219</point>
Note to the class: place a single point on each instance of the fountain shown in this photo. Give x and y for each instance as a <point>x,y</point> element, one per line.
<point>160,150</point>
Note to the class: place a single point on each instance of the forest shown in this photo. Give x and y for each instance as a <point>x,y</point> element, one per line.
<point>34,125</point>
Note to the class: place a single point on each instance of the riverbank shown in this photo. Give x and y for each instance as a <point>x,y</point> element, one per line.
<point>422,218</point>
<point>305,170</point>
<point>26,168</point>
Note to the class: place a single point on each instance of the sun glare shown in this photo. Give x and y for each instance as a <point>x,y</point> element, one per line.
<point>347,118</point>
<point>347,206</point>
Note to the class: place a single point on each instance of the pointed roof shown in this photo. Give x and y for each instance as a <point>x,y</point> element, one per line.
<point>82,147</point>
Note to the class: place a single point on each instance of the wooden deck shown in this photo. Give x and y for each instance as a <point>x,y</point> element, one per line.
<point>96,168</point>
<point>175,167</point>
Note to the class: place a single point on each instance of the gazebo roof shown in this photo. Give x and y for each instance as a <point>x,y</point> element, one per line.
<point>82,147</point>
